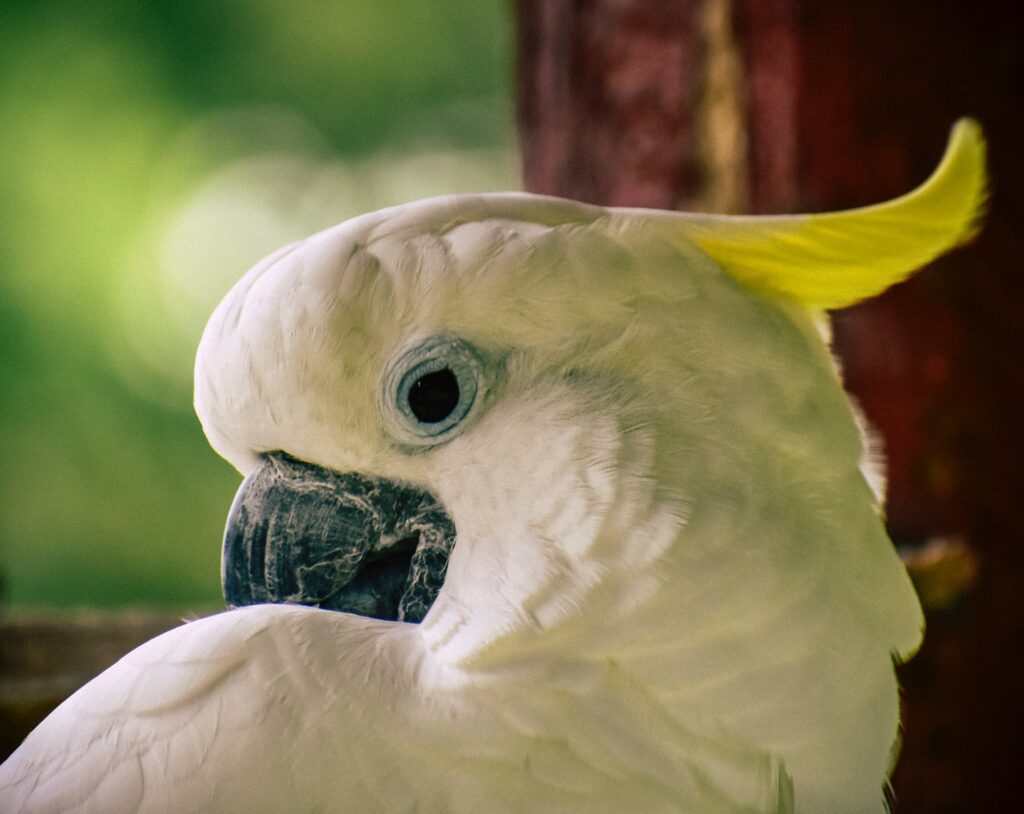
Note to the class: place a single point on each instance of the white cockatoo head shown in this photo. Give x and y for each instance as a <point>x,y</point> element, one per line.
<point>564,435</point>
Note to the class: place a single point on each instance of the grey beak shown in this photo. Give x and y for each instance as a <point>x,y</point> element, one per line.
<point>303,534</point>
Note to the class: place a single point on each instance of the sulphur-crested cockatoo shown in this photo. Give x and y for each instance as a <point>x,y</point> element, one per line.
<point>586,501</point>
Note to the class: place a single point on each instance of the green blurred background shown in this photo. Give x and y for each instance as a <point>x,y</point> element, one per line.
<point>150,152</point>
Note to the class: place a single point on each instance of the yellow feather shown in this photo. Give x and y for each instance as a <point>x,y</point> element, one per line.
<point>836,259</point>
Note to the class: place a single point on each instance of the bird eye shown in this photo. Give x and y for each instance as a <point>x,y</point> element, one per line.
<point>430,389</point>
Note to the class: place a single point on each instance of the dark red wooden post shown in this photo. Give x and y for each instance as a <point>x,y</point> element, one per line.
<point>606,99</point>
<point>843,103</point>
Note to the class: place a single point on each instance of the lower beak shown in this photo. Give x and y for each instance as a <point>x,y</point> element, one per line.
<point>302,534</point>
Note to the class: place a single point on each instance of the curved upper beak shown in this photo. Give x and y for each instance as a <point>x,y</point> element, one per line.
<point>300,533</point>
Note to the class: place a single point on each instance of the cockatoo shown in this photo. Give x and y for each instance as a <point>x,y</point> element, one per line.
<point>547,508</point>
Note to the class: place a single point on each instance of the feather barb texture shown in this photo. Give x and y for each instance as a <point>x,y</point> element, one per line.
<point>836,259</point>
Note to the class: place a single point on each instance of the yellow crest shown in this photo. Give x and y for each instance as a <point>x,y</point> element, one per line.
<point>836,259</point>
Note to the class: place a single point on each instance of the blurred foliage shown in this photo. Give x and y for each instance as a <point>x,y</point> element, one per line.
<point>149,153</point>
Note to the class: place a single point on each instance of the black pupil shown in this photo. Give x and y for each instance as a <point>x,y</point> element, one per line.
<point>433,396</point>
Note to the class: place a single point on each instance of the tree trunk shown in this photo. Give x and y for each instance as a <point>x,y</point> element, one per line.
<point>794,105</point>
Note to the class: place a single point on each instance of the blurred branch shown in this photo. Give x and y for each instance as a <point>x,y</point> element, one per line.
<point>45,658</point>
<point>944,571</point>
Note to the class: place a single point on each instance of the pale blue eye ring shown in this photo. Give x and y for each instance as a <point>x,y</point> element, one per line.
<point>429,390</point>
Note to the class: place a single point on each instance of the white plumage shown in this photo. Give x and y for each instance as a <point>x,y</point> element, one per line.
<point>671,588</point>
